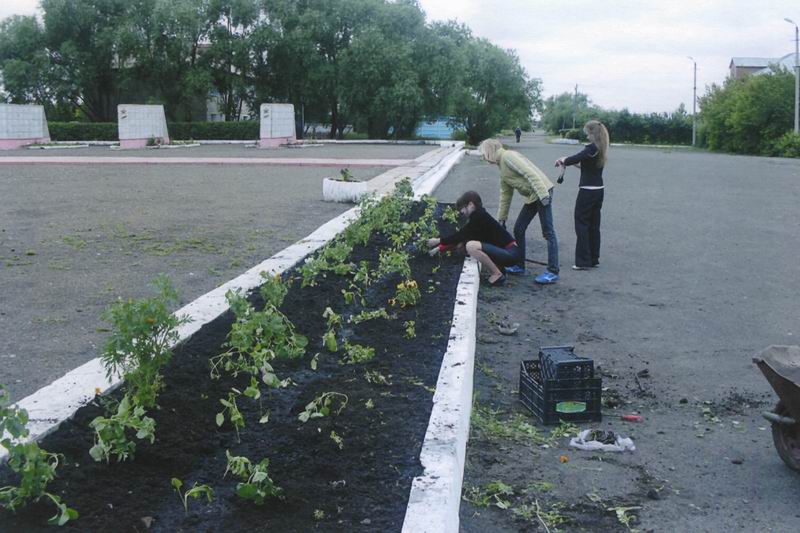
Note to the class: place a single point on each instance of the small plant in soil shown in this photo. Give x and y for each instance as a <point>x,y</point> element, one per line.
<point>319,514</point>
<point>196,492</point>
<point>339,441</point>
<point>450,215</point>
<point>143,332</point>
<point>255,339</point>
<point>231,410</point>
<point>356,353</point>
<point>334,320</point>
<point>346,175</point>
<point>495,493</point>
<point>322,405</point>
<point>256,484</point>
<point>394,262</point>
<point>407,294</point>
<point>111,434</point>
<point>35,467</point>
<point>410,329</point>
<point>376,378</point>
<point>364,316</point>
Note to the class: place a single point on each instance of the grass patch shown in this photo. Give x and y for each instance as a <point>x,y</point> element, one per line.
<point>516,427</point>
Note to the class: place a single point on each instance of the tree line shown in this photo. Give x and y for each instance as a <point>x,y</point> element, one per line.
<point>375,64</point>
<point>753,115</point>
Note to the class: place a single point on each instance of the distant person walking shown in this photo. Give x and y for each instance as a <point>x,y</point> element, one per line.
<point>591,160</point>
<point>517,173</point>
<point>518,133</point>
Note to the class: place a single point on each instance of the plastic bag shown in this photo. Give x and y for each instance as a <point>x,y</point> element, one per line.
<point>606,441</point>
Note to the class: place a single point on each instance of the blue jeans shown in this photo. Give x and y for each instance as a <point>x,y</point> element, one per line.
<point>502,257</point>
<point>548,231</point>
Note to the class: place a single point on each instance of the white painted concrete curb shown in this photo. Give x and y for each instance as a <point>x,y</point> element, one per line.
<point>435,499</point>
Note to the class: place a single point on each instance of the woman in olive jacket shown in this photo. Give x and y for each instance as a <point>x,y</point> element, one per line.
<point>517,173</point>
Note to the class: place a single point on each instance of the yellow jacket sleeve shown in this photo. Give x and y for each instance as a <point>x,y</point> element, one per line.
<point>506,193</point>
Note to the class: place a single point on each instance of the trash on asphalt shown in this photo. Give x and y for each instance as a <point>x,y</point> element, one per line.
<point>599,440</point>
<point>507,328</point>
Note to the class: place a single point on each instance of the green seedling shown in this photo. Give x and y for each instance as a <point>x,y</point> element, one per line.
<point>319,514</point>
<point>339,441</point>
<point>365,316</point>
<point>196,492</point>
<point>273,290</point>
<point>495,493</point>
<point>407,294</point>
<point>256,484</point>
<point>394,262</point>
<point>143,332</point>
<point>111,434</point>
<point>233,414</point>
<point>375,377</point>
<point>35,467</point>
<point>356,353</point>
<point>411,331</point>
<point>322,406</point>
<point>369,404</point>
<point>450,215</point>
<point>329,339</point>
<point>625,515</point>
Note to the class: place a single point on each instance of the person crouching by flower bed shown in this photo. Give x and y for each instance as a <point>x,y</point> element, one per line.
<point>484,238</point>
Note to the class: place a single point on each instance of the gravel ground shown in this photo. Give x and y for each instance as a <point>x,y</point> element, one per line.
<point>332,151</point>
<point>74,238</point>
<point>698,272</point>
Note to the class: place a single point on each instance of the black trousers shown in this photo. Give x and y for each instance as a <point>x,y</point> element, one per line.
<point>587,227</point>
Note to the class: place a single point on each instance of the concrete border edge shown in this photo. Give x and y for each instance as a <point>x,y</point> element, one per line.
<point>435,498</point>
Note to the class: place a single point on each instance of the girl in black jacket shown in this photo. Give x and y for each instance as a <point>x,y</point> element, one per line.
<point>592,160</point>
<point>485,239</point>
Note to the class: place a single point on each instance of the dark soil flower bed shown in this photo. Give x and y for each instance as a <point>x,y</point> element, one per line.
<point>363,486</point>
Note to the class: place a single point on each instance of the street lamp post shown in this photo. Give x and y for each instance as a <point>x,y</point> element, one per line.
<point>694,103</point>
<point>796,76</point>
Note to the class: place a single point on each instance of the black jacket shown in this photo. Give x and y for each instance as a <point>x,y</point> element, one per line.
<point>482,227</point>
<point>591,174</point>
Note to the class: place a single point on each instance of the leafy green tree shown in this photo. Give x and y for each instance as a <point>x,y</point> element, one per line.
<point>749,115</point>
<point>560,109</point>
<point>495,91</point>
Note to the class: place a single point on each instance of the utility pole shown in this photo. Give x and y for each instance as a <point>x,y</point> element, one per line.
<point>694,103</point>
<point>796,76</point>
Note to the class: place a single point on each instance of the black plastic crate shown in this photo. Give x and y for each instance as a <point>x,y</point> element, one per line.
<point>561,362</point>
<point>552,400</point>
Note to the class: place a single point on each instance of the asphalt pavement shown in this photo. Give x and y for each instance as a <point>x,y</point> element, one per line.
<point>698,272</point>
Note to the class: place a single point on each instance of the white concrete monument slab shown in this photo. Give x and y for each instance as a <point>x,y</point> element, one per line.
<point>140,123</point>
<point>277,125</point>
<point>21,125</point>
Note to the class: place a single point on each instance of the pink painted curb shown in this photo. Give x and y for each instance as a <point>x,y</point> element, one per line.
<point>303,162</point>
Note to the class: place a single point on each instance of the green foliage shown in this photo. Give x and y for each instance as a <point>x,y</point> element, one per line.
<point>786,146</point>
<point>273,290</point>
<point>749,115</point>
<point>356,353</point>
<point>393,262</point>
<point>407,294</point>
<point>334,320</point>
<point>231,409</point>
<point>323,405</point>
<point>220,131</point>
<point>111,434</point>
<point>83,131</point>
<point>410,329</point>
<point>365,315</point>
<point>196,492</point>
<point>258,337</point>
<point>143,332</point>
<point>256,484</point>
<point>495,493</point>
<point>35,467</point>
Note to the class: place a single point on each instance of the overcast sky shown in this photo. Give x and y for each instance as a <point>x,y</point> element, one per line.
<point>622,53</point>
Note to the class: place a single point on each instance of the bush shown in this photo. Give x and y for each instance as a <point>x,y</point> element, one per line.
<point>215,131</point>
<point>786,146</point>
<point>83,131</point>
<point>573,133</point>
<point>179,131</point>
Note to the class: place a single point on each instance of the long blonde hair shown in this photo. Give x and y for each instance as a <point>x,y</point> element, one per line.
<point>598,134</point>
<point>489,148</point>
